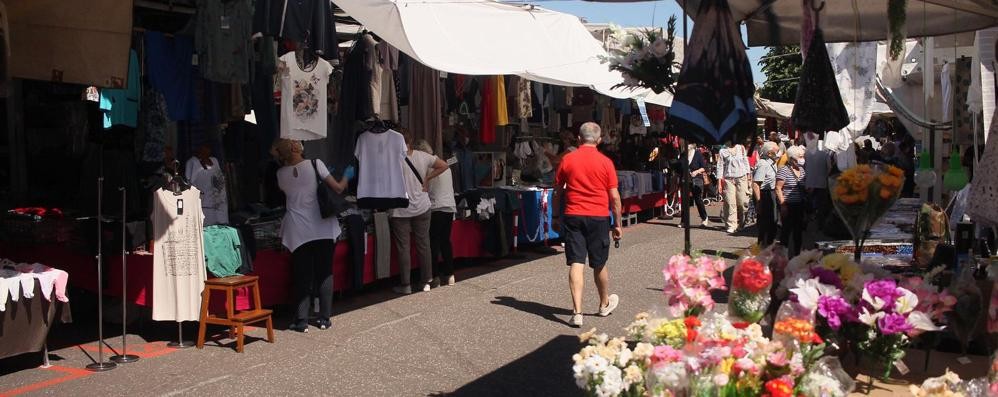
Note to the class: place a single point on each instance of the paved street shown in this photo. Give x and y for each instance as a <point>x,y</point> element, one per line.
<point>502,330</point>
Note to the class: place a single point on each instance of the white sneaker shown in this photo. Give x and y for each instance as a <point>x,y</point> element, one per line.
<point>403,289</point>
<point>577,319</point>
<point>732,230</point>
<point>451,281</point>
<point>706,223</point>
<point>611,303</point>
<point>426,287</point>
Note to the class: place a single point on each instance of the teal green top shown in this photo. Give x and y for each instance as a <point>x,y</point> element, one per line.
<point>221,250</point>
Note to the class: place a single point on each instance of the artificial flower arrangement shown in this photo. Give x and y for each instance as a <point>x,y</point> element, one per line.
<point>750,290</point>
<point>688,282</point>
<point>646,59</point>
<point>862,194</point>
<point>695,351</point>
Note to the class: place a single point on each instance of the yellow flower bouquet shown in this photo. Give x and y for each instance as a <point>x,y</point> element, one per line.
<point>862,195</point>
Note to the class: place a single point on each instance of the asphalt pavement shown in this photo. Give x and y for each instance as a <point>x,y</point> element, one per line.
<point>501,331</point>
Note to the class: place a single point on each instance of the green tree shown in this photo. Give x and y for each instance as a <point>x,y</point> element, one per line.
<point>781,65</point>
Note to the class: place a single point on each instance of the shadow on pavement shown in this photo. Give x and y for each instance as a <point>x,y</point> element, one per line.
<point>548,312</point>
<point>546,371</point>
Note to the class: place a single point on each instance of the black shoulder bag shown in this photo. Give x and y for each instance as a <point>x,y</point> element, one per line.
<point>330,202</point>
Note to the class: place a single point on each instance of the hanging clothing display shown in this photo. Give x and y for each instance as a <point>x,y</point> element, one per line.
<point>178,255</point>
<point>425,105</point>
<point>963,119</point>
<point>121,106</point>
<point>210,180</point>
<point>380,184</point>
<point>355,103</point>
<point>502,113</point>
<point>155,124</point>
<point>303,98</point>
<point>222,31</point>
<point>982,203</point>
<point>523,101</point>
<point>223,251</point>
<point>388,104</point>
<point>855,66</point>
<point>714,97</point>
<point>946,82</point>
<point>487,121</point>
<point>169,71</point>
<point>299,21</point>
<point>818,106</point>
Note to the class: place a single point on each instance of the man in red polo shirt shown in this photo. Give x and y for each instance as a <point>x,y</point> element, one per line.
<point>587,182</point>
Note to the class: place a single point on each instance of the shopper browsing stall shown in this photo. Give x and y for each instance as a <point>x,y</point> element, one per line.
<point>763,186</point>
<point>698,173</point>
<point>734,168</point>
<point>310,237</point>
<point>411,225</point>
<point>442,208</point>
<point>791,195</point>
<point>587,182</point>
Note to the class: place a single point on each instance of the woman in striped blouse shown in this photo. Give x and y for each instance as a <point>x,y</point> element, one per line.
<point>791,196</point>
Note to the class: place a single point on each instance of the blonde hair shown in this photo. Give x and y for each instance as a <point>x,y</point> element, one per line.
<point>423,146</point>
<point>282,149</point>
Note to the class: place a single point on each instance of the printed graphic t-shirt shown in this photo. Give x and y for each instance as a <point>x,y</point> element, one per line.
<point>303,99</point>
<point>178,255</point>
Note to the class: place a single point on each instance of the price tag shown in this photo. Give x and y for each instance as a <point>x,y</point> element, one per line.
<point>180,206</point>
<point>902,368</point>
<point>224,23</point>
<point>194,59</point>
<point>963,360</point>
<point>644,112</point>
<point>451,161</point>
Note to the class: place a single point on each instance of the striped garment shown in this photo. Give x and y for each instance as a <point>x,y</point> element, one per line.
<point>793,187</point>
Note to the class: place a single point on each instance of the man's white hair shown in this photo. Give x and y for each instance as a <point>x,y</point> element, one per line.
<point>590,133</point>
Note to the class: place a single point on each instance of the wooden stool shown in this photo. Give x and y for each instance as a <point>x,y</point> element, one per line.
<point>235,321</point>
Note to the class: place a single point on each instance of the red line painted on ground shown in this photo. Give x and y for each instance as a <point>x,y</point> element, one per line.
<point>71,374</point>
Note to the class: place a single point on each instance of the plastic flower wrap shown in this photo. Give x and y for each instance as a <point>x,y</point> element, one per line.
<point>948,385</point>
<point>931,300</point>
<point>688,282</point>
<point>825,378</point>
<point>751,281</point>
<point>646,59</point>
<point>607,367</point>
<point>862,194</point>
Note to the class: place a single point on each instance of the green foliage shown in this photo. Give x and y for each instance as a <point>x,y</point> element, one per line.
<point>781,65</point>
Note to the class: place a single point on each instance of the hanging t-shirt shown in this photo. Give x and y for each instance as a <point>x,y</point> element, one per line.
<point>121,106</point>
<point>222,31</point>
<point>303,222</point>
<point>419,201</point>
<point>178,255</point>
<point>210,180</point>
<point>380,184</point>
<point>303,99</point>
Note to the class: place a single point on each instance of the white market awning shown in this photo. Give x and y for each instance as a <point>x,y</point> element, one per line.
<point>491,38</point>
<point>776,22</point>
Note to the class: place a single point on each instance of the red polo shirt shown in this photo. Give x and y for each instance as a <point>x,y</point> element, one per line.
<point>587,175</point>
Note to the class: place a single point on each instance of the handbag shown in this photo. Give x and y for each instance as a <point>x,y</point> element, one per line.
<point>330,202</point>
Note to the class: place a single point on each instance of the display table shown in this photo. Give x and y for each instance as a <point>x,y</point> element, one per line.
<point>536,215</point>
<point>25,324</point>
<point>272,266</point>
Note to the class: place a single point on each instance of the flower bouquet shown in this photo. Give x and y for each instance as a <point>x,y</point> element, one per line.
<point>861,195</point>
<point>750,286</point>
<point>688,282</point>
<point>890,316</point>
<point>646,59</point>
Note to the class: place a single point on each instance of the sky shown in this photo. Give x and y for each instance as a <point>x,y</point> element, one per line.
<point>638,14</point>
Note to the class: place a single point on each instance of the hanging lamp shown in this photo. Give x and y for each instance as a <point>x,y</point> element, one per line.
<point>925,176</point>
<point>955,177</point>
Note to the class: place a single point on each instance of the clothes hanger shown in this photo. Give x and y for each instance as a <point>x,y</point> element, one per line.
<point>305,58</point>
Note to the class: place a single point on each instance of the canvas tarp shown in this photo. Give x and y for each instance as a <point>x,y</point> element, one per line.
<point>82,42</point>
<point>775,22</point>
<point>492,38</point>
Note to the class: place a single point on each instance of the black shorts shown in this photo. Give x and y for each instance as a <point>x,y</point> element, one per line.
<point>586,236</point>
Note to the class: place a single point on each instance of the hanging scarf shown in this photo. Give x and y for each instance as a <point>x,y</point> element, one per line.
<point>818,106</point>
<point>714,97</point>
